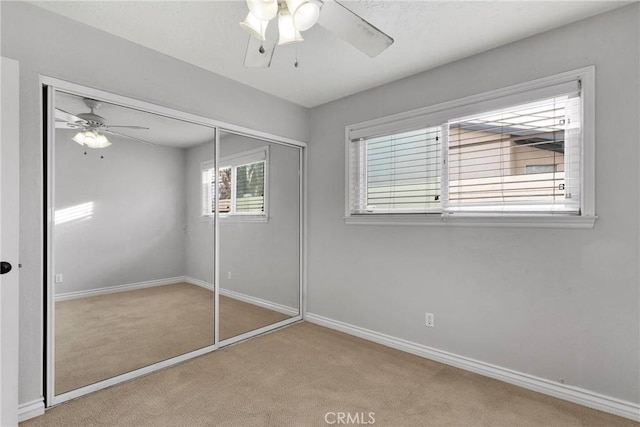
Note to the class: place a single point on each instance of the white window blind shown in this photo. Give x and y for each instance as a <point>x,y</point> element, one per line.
<point>208,189</point>
<point>397,173</point>
<point>241,184</point>
<point>249,188</point>
<point>225,184</point>
<point>520,159</point>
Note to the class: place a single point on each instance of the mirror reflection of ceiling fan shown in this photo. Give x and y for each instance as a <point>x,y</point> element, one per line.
<point>295,16</point>
<point>92,127</point>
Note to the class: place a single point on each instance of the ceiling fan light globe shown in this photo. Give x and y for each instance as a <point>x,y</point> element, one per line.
<point>305,13</point>
<point>263,9</point>
<point>254,26</point>
<point>89,139</point>
<point>79,138</point>
<point>101,141</point>
<point>288,32</point>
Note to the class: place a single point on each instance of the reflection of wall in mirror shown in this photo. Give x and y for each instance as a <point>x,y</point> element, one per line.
<point>199,238</point>
<point>119,219</point>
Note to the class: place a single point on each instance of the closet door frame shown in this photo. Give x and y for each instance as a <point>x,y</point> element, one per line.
<point>48,87</point>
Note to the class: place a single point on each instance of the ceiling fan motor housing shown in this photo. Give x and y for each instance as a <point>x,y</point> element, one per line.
<point>92,119</point>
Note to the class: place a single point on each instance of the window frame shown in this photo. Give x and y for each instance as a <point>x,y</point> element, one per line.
<point>441,113</point>
<point>234,161</point>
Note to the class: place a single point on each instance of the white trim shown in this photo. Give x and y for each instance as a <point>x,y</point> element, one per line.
<point>260,331</point>
<point>303,232</point>
<point>588,166</point>
<point>216,246</point>
<point>32,409</point>
<point>193,281</point>
<point>137,104</point>
<point>48,240</point>
<point>469,220</point>
<point>577,395</point>
<point>118,288</point>
<point>280,308</point>
<point>132,374</point>
<point>245,157</point>
<point>239,217</point>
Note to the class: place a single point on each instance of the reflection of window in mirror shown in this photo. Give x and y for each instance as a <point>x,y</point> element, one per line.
<point>242,186</point>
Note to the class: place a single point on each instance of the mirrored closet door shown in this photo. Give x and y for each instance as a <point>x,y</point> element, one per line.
<point>132,257</point>
<point>167,237</point>
<point>260,234</point>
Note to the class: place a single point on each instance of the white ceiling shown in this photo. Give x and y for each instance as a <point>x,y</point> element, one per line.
<point>162,130</point>
<point>426,33</point>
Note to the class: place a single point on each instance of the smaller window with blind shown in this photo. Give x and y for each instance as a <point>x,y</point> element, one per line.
<point>397,173</point>
<point>242,184</point>
<point>514,152</point>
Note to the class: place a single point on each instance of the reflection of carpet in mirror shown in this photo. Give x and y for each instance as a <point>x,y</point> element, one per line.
<point>107,335</point>
<point>237,317</point>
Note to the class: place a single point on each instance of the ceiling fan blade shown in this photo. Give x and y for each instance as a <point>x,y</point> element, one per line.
<point>125,127</point>
<point>127,136</point>
<point>67,125</point>
<point>68,117</point>
<point>259,53</point>
<point>353,29</point>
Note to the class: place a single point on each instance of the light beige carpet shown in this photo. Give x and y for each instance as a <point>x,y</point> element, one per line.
<point>107,335</point>
<point>237,317</point>
<point>295,376</point>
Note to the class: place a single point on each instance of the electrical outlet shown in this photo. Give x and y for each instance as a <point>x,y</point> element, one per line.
<point>228,275</point>
<point>430,320</point>
<point>58,278</point>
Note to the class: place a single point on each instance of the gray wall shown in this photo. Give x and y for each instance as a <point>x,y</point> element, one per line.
<point>135,232</point>
<point>263,257</point>
<point>48,44</point>
<point>555,303</point>
<point>200,233</point>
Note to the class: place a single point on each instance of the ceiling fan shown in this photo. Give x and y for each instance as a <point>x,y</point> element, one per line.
<point>295,16</point>
<point>91,126</point>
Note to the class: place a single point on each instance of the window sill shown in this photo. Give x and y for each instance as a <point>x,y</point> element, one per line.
<point>468,220</point>
<point>239,218</point>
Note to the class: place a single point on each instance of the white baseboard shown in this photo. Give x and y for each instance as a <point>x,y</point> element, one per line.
<point>289,311</point>
<point>199,282</point>
<point>119,288</point>
<point>562,391</point>
<point>29,410</point>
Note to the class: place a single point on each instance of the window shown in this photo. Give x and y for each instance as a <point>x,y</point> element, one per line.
<point>397,173</point>
<point>516,153</point>
<point>242,185</point>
